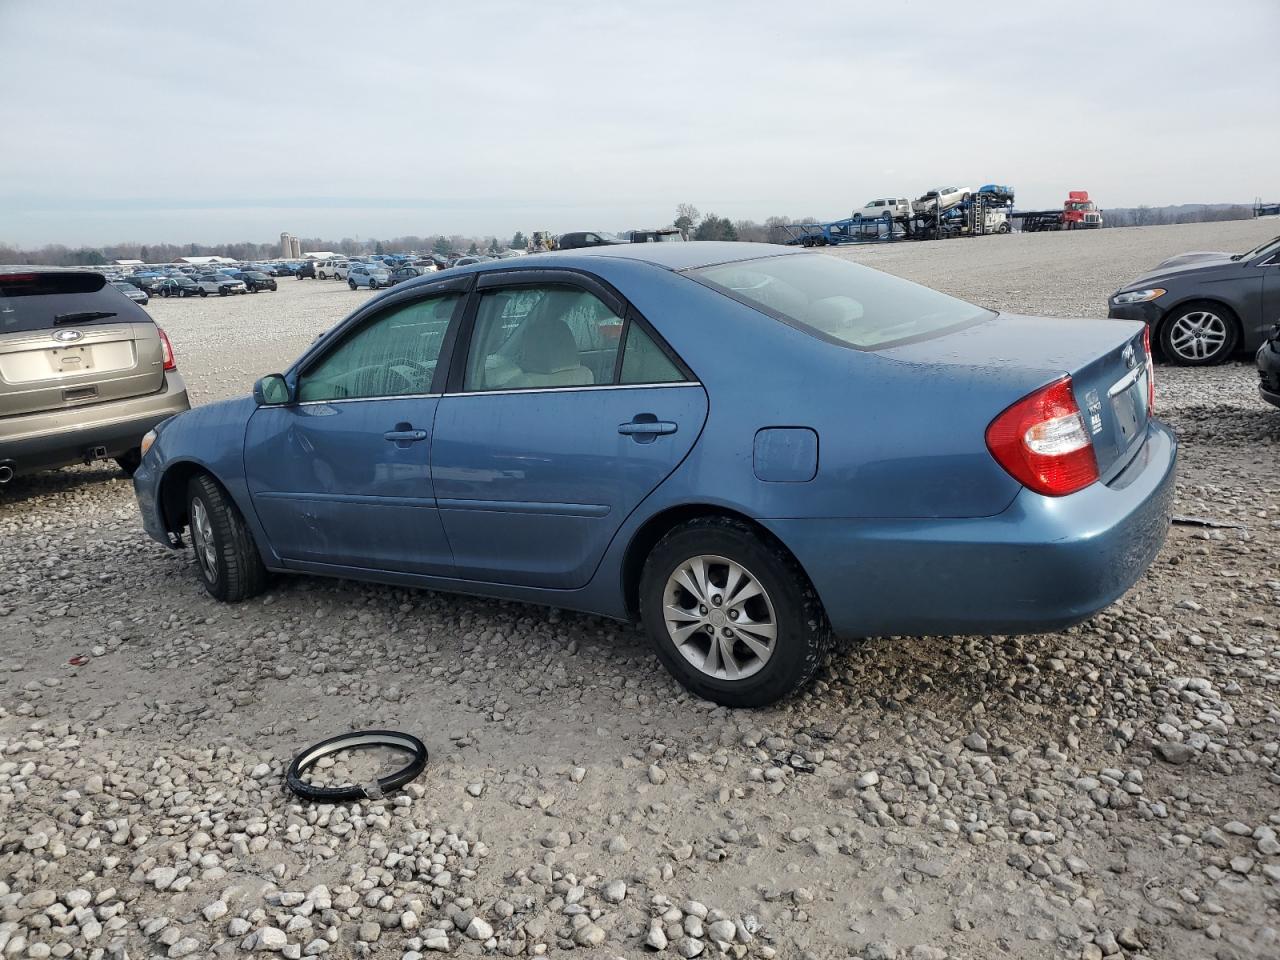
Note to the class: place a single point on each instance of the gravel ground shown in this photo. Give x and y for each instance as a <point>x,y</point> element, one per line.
<point>1109,791</point>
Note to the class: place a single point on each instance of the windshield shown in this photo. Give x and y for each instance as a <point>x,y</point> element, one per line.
<point>841,301</point>
<point>1270,246</point>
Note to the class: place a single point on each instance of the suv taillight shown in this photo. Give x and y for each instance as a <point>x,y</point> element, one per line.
<point>166,350</point>
<point>1043,442</point>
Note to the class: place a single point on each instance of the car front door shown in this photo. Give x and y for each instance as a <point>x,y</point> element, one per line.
<point>563,412</point>
<point>340,476</point>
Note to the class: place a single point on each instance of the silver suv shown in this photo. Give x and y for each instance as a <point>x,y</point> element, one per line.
<point>84,372</point>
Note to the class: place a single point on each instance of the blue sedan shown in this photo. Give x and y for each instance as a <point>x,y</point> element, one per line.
<point>751,449</point>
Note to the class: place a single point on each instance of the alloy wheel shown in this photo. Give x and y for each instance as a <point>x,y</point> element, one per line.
<point>1198,335</point>
<point>202,539</point>
<point>720,617</point>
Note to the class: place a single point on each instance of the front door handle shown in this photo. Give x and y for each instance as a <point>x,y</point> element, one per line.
<point>404,434</point>
<point>646,428</point>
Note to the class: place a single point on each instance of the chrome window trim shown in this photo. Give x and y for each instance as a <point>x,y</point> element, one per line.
<point>392,396</point>
<point>486,393</point>
<point>575,389</point>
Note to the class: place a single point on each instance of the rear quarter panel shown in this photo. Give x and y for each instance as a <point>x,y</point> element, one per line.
<point>896,439</point>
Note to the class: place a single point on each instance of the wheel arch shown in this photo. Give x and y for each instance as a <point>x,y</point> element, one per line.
<point>663,522</point>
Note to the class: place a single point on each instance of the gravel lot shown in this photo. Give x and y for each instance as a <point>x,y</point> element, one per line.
<point>1109,791</point>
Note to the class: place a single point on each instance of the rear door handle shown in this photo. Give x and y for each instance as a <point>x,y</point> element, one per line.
<point>646,428</point>
<point>404,434</point>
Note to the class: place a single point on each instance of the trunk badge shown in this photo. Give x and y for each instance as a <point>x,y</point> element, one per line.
<point>1094,406</point>
<point>1129,357</point>
<point>67,336</point>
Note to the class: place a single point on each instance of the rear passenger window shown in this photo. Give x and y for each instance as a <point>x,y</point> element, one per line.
<point>545,336</point>
<point>643,361</point>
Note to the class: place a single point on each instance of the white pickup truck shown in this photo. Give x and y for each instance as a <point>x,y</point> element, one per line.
<point>894,209</point>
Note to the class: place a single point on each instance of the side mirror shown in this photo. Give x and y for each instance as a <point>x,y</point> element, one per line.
<point>272,391</point>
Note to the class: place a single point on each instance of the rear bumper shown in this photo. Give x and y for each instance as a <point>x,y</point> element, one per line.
<point>1041,565</point>
<point>43,441</point>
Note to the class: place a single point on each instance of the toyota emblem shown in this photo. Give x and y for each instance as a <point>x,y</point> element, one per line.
<point>67,336</point>
<point>1129,357</point>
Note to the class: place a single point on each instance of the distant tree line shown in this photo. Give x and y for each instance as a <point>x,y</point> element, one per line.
<point>695,225</point>
<point>1145,216</point>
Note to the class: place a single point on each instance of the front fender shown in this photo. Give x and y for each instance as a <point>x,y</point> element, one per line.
<point>208,439</point>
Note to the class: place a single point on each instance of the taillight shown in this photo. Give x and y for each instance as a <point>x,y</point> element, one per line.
<point>1151,371</point>
<point>1043,442</point>
<point>166,350</point>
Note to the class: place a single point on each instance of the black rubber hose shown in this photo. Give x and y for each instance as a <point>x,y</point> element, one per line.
<point>357,740</point>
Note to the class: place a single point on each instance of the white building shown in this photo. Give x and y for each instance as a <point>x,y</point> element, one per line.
<point>205,261</point>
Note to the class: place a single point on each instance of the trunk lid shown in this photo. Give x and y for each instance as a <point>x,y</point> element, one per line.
<point>1105,359</point>
<point>68,339</point>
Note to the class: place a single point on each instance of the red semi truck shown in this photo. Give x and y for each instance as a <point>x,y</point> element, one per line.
<point>1078,213</point>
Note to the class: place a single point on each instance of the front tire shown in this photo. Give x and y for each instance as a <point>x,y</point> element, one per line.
<point>731,614</point>
<point>227,561</point>
<point>204,293</point>
<point>351,284</point>
<point>1199,334</point>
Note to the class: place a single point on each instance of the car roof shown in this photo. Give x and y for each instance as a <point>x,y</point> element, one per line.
<point>671,256</point>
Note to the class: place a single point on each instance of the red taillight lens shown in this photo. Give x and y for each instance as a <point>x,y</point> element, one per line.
<point>166,350</point>
<point>1151,371</point>
<point>1043,442</point>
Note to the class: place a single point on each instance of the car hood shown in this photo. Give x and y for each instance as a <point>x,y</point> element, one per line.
<point>1190,269</point>
<point>1195,256</point>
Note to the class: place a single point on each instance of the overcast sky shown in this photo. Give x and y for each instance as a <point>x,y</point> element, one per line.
<point>237,120</point>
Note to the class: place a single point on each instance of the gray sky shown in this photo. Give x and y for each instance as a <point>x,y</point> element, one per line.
<point>236,120</point>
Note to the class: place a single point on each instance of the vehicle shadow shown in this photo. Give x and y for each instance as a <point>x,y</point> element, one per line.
<point>46,483</point>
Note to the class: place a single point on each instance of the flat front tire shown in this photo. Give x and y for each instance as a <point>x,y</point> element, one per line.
<point>731,614</point>
<point>227,562</point>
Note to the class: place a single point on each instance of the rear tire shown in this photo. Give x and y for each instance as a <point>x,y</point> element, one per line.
<point>780,600</point>
<point>1199,334</point>
<point>227,562</point>
<point>129,461</point>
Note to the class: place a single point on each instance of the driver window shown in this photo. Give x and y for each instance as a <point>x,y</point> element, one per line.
<point>392,355</point>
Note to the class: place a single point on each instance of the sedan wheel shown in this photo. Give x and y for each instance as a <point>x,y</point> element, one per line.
<point>226,559</point>
<point>1199,335</point>
<point>720,617</point>
<point>731,614</point>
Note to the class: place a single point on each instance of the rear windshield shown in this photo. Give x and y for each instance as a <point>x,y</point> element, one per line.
<point>42,300</point>
<point>841,301</point>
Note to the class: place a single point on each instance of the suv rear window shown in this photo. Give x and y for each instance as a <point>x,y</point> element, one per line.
<point>43,299</point>
<point>840,301</point>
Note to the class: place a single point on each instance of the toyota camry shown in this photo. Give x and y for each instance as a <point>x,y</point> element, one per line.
<point>750,449</point>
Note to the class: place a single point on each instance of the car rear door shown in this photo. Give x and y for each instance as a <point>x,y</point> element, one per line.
<point>70,339</point>
<point>340,476</point>
<point>563,412</point>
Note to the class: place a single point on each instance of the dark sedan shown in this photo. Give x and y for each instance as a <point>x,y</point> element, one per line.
<point>255,280</point>
<point>1269,367</point>
<point>1204,307</point>
<point>177,287</point>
